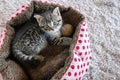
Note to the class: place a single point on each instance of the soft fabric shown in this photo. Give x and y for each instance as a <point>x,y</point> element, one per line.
<point>9,70</point>
<point>3,31</point>
<point>6,37</point>
<point>79,58</point>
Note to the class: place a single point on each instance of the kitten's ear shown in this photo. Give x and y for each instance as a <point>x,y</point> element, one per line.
<point>56,11</point>
<point>37,16</point>
<point>40,19</point>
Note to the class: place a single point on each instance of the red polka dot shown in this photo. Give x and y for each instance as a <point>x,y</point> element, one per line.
<point>90,58</point>
<point>76,79</point>
<point>85,53</point>
<point>80,78</point>
<point>23,11</point>
<point>86,58</point>
<point>81,35</point>
<point>84,64</point>
<point>86,70</point>
<point>78,66</point>
<point>80,53</point>
<point>72,66</point>
<point>82,71</point>
<point>88,63</point>
<point>75,59</point>
<point>5,31</point>
<point>83,47</point>
<point>87,47</point>
<point>69,74</point>
<point>79,73</point>
<point>83,24</point>
<point>82,29</point>
<point>85,41</point>
<point>78,59</point>
<point>17,14</point>
<point>77,47</point>
<point>82,59</point>
<point>75,52</point>
<point>75,74</point>
<point>80,41</point>
<point>64,79</point>
<point>81,66</point>
<point>12,17</point>
<point>23,6</point>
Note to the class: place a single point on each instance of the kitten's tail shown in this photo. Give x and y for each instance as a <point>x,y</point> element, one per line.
<point>21,56</point>
<point>30,59</point>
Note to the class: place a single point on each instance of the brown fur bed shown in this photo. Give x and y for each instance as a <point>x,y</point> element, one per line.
<point>58,58</point>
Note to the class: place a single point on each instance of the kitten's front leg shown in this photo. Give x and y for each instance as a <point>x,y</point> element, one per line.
<point>62,41</point>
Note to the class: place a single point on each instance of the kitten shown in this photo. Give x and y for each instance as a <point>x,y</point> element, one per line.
<point>35,36</point>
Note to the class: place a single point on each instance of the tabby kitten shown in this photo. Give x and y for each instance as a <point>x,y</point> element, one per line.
<point>35,35</point>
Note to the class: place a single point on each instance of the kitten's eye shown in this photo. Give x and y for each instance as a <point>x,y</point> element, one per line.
<point>58,20</point>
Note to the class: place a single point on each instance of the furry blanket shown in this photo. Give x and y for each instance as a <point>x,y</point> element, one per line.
<point>103,22</point>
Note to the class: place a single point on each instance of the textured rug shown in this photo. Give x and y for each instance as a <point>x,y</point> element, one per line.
<point>103,18</point>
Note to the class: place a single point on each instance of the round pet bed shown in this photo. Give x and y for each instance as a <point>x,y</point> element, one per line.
<point>63,63</point>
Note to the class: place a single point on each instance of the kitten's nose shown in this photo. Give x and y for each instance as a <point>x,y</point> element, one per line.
<point>51,28</point>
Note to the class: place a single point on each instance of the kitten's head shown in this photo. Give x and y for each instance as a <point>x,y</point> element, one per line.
<point>49,20</point>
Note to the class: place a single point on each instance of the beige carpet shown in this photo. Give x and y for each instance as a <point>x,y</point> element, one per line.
<point>103,18</point>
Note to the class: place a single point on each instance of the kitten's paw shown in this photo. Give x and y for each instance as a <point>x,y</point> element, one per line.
<point>57,41</point>
<point>40,58</point>
<point>67,41</point>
